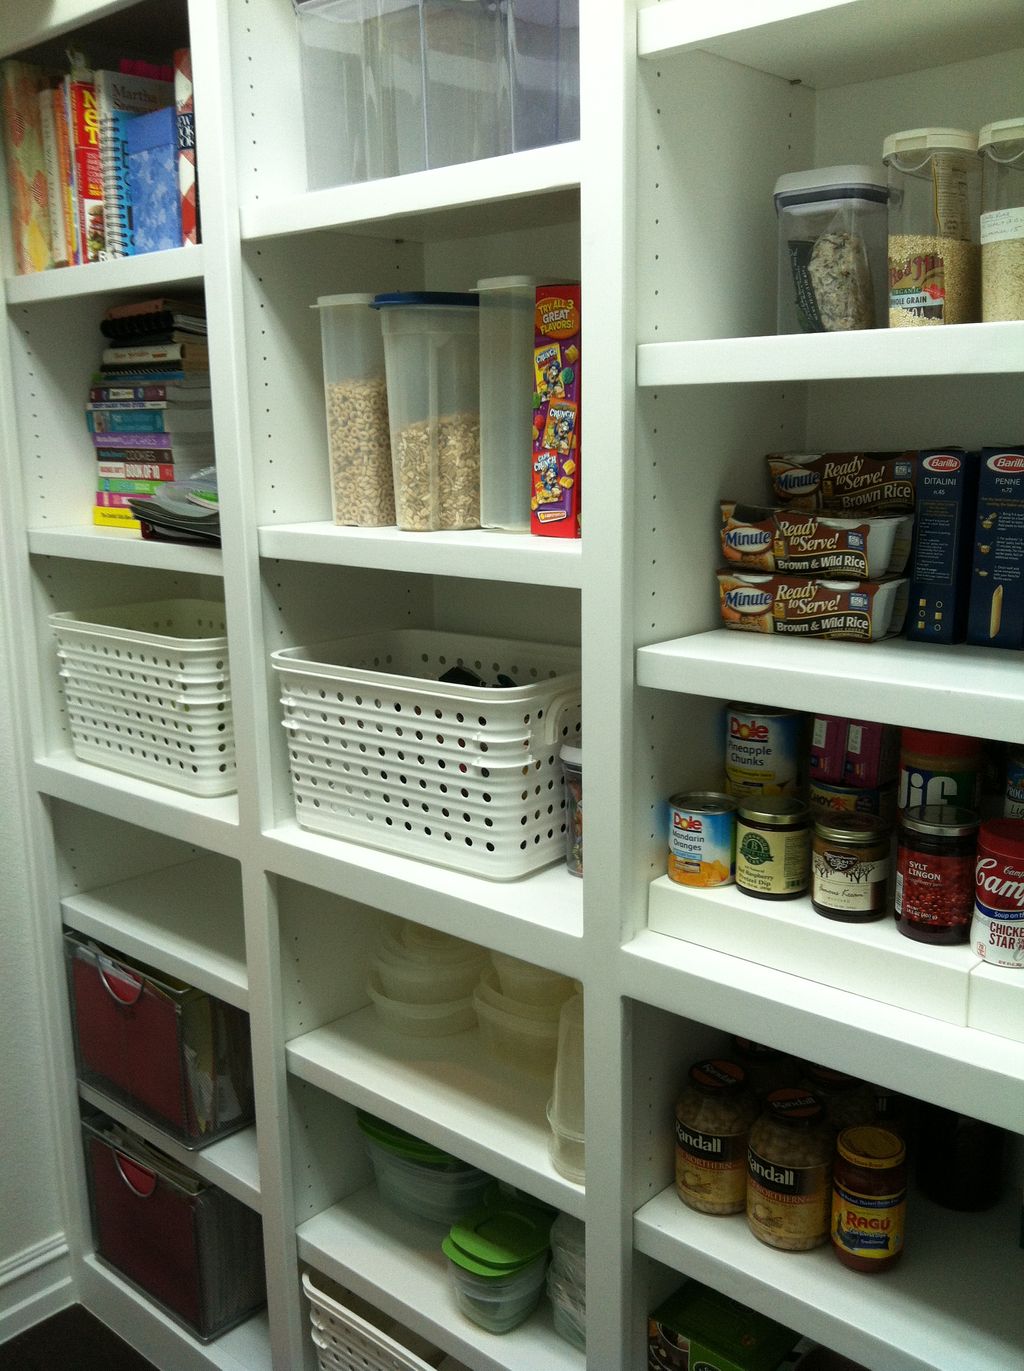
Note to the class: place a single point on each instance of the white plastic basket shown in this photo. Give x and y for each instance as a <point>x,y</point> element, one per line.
<point>345,1341</point>
<point>383,753</point>
<point>147,692</point>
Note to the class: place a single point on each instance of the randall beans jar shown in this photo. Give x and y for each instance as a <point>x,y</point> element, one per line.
<point>935,873</point>
<point>713,1117</point>
<point>997,927</point>
<point>869,1198</point>
<point>789,1172</point>
<point>850,867</point>
<point>773,848</point>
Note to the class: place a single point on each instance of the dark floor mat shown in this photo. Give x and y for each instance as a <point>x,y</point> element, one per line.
<point>71,1341</point>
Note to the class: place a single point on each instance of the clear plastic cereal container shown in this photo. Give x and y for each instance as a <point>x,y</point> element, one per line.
<point>431,353</point>
<point>466,66</point>
<point>506,400</point>
<point>544,50</point>
<point>1001,148</point>
<point>356,394</point>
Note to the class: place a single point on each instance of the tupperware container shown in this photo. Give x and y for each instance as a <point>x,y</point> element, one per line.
<point>506,400</point>
<point>466,67</point>
<point>566,1113</point>
<point>544,50</point>
<point>496,1260</point>
<point>418,965</point>
<point>362,89</point>
<point>572,775</point>
<point>489,991</point>
<point>832,235</point>
<point>415,1178</point>
<point>566,1279</point>
<point>1001,148</point>
<point>934,187</point>
<point>356,395</point>
<point>431,352</point>
<point>530,984</point>
<point>529,1044</point>
<point>417,1020</point>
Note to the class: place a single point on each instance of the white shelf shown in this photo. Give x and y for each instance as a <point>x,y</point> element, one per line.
<point>965,349</point>
<point>179,267</point>
<point>894,681</point>
<point>396,1263</point>
<point>159,1338</point>
<point>184,920</point>
<point>973,1072</point>
<point>210,823</point>
<point>482,554</point>
<point>124,547</point>
<point>873,959</point>
<point>446,1090</point>
<point>824,43</point>
<point>497,194</point>
<point>543,912</point>
<point>933,1312</point>
<point>995,1002</point>
<point>232,1163</point>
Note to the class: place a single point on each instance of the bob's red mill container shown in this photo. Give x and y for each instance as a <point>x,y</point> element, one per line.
<point>762,750</point>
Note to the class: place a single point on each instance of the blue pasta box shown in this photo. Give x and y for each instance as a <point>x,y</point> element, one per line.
<point>996,613</point>
<point>940,561</point>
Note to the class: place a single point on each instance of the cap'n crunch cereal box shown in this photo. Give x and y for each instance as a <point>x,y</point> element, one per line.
<point>555,488</point>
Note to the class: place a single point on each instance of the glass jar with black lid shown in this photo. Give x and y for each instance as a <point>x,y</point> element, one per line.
<point>935,873</point>
<point>850,861</point>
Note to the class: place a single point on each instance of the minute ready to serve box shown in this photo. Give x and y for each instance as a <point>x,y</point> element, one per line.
<point>996,616</point>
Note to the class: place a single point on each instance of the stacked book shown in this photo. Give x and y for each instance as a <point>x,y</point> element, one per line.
<point>149,410</point>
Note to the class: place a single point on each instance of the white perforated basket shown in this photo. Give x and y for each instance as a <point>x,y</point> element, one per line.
<point>147,692</point>
<point>383,753</point>
<point>345,1341</point>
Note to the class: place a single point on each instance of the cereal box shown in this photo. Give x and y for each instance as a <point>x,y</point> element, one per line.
<point>555,488</point>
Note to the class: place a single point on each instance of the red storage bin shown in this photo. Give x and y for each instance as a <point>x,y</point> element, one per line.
<point>194,1250</point>
<point>159,1046</point>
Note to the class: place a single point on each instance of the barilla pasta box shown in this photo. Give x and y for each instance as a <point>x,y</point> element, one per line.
<point>996,609</point>
<point>940,563</point>
<point>700,1327</point>
<point>838,482</point>
<point>555,488</point>
<point>759,602</point>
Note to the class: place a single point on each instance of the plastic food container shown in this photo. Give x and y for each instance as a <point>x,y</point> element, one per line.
<point>506,408</point>
<point>566,1279</point>
<point>934,184</point>
<point>572,774</point>
<point>489,992</point>
<point>1001,147</point>
<point>496,1260</point>
<point>466,62</point>
<point>431,352</point>
<point>415,1178</point>
<point>528,983</point>
<point>420,966</point>
<point>356,395</point>
<point>529,1044</point>
<point>362,89</point>
<point>417,1020</point>
<point>165,1049</point>
<point>566,1112</point>
<point>544,48</point>
<point>832,265</point>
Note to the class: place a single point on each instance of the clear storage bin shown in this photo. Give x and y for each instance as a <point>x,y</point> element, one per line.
<point>496,1260</point>
<point>934,269</point>
<point>832,264</point>
<point>544,48</point>
<point>506,400</point>
<point>530,984</point>
<point>466,62</point>
<point>572,772</point>
<point>362,89</point>
<point>431,344</point>
<point>528,1044</point>
<point>194,1250</point>
<point>166,1050</point>
<point>356,394</point>
<point>1001,147</point>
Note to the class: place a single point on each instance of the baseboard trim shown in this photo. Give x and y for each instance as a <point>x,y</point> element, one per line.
<point>35,1283</point>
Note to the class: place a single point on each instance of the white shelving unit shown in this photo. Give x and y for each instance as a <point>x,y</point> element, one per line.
<point>663,210</point>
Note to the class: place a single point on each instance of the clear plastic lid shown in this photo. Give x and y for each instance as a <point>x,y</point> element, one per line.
<point>572,755</point>
<point>993,136</point>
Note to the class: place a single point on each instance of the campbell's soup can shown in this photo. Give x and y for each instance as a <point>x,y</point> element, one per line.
<point>997,928</point>
<point>702,838</point>
<point>762,750</point>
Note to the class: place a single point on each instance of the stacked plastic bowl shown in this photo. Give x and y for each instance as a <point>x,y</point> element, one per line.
<point>416,1178</point>
<point>421,981</point>
<point>567,1279</point>
<point>565,1108</point>
<point>518,1007</point>
<point>496,1260</point>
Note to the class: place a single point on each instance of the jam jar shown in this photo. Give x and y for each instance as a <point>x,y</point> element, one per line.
<point>935,873</point>
<point>713,1117</point>
<point>850,867</point>
<point>773,857</point>
<point>869,1198</point>
<point>789,1172</point>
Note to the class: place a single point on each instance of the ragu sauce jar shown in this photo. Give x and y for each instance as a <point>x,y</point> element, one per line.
<point>869,1198</point>
<point>935,873</point>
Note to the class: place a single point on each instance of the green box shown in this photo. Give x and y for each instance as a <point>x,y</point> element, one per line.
<point>699,1329</point>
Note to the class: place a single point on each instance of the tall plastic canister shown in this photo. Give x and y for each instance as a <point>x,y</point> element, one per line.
<point>466,64</point>
<point>506,400</point>
<point>544,59</point>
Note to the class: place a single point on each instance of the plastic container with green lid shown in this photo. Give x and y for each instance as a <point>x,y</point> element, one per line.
<point>416,1178</point>
<point>496,1258</point>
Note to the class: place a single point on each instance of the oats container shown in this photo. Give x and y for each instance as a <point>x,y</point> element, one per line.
<point>832,269</point>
